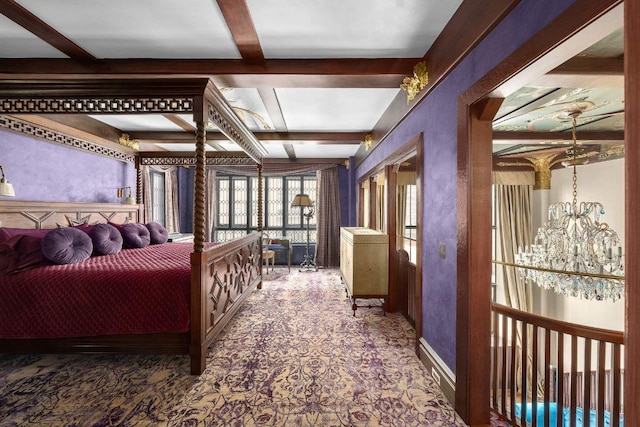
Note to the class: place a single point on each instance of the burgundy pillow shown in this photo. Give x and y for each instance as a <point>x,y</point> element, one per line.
<point>134,235</point>
<point>67,245</point>
<point>106,239</point>
<point>157,233</point>
<point>7,233</point>
<point>21,252</point>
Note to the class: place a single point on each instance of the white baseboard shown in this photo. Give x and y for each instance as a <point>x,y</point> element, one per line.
<point>439,370</point>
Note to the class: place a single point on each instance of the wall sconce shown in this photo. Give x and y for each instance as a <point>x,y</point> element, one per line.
<point>128,200</point>
<point>347,163</point>
<point>367,142</point>
<point>6,188</point>
<point>415,83</point>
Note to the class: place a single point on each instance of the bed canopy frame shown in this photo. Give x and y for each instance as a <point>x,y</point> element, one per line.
<point>212,269</point>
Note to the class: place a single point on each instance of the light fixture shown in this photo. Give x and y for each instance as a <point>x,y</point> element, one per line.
<point>573,252</point>
<point>415,83</point>
<point>367,142</point>
<point>303,201</point>
<point>6,188</point>
<point>129,200</point>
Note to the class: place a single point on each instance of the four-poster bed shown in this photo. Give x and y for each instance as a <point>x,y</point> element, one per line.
<point>221,276</point>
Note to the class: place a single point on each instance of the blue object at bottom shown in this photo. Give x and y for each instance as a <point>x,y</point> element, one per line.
<point>565,415</point>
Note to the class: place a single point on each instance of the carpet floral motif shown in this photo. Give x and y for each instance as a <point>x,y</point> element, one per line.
<point>294,355</point>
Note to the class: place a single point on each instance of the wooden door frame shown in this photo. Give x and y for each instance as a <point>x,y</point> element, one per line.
<point>533,58</point>
<point>413,145</point>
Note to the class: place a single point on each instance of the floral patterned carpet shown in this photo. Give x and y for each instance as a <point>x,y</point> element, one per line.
<point>294,355</point>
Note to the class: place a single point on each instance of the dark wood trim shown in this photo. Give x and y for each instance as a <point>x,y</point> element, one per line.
<point>474,260</point>
<point>315,137</point>
<point>44,31</point>
<point>178,121</point>
<point>467,27</point>
<point>236,14</point>
<point>609,137</point>
<point>474,218</point>
<point>592,66</point>
<point>237,73</point>
<point>420,173</point>
<point>632,225</point>
<point>391,193</point>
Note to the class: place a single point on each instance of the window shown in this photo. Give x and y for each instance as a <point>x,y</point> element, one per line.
<point>158,197</point>
<point>237,212</point>
<point>410,222</point>
<point>494,243</point>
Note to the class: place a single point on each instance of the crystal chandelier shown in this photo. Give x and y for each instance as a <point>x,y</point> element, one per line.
<point>574,253</point>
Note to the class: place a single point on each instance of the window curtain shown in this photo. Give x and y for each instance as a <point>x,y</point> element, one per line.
<point>514,216</point>
<point>328,218</point>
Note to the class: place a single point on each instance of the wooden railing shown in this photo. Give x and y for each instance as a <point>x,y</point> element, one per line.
<point>537,371</point>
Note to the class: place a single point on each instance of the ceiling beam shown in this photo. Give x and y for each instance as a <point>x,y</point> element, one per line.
<point>601,137</point>
<point>311,137</point>
<point>236,14</point>
<point>272,104</point>
<point>41,29</point>
<point>585,72</point>
<point>320,73</point>
<point>291,153</point>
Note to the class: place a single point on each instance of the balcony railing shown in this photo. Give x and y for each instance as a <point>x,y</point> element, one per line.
<point>538,372</point>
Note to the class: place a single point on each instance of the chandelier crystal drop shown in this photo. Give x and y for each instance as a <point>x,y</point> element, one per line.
<point>573,252</point>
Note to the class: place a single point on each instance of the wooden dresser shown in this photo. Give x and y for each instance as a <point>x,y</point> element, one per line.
<point>364,256</point>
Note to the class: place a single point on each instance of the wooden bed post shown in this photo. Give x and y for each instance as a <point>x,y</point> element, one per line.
<point>199,196</point>
<point>198,350</point>
<point>139,195</point>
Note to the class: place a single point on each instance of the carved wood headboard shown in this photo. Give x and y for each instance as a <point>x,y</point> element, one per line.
<point>25,214</point>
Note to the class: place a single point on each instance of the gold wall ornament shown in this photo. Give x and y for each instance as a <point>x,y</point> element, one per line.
<point>542,170</point>
<point>347,163</point>
<point>414,84</point>
<point>127,142</point>
<point>367,142</point>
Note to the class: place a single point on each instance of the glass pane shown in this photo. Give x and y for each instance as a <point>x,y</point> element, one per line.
<point>157,197</point>
<point>254,201</point>
<point>240,201</point>
<point>273,206</point>
<point>294,187</point>
<point>310,186</point>
<point>223,201</point>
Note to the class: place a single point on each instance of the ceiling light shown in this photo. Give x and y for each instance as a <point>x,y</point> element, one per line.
<point>573,252</point>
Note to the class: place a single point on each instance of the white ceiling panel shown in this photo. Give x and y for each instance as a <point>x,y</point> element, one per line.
<point>20,43</point>
<point>349,28</point>
<point>333,109</point>
<point>338,151</point>
<point>249,107</point>
<point>138,122</point>
<point>140,28</point>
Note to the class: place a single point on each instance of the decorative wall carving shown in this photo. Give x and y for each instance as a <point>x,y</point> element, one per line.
<point>96,105</point>
<point>17,125</point>
<point>191,161</point>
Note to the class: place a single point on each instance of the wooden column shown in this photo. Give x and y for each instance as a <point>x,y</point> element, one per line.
<point>473,328</point>
<point>200,187</point>
<point>392,197</point>
<point>632,225</point>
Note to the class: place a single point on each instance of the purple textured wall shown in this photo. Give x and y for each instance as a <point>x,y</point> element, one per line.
<point>343,186</point>
<point>436,118</point>
<point>46,171</point>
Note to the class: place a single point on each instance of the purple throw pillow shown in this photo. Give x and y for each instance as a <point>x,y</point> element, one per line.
<point>67,245</point>
<point>106,239</point>
<point>157,232</point>
<point>6,232</point>
<point>21,252</point>
<point>134,235</point>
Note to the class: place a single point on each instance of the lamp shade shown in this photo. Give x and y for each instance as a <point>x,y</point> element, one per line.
<point>301,200</point>
<point>6,188</point>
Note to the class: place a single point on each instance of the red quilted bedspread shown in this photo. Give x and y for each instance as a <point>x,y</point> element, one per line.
<point>135,291</point>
